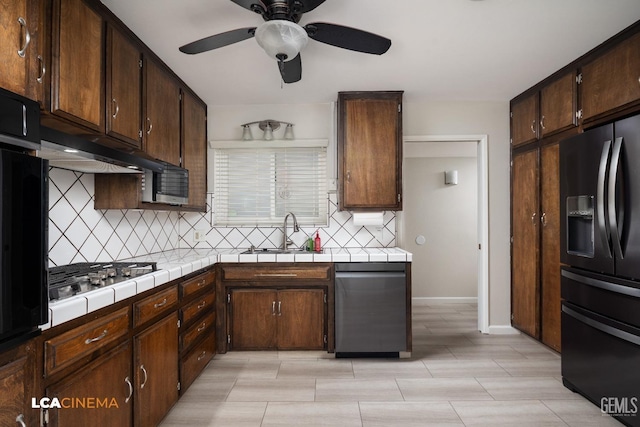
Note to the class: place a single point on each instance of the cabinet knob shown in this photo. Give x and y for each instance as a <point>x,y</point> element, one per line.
<point>43,70</point>
<point>533,126</point>
<point>146,377</point>
<point>27,37</point>
<point>543,219</point>
<point>128,381</point>
<point>348,176</point>
<point>117,108</point>
<point>533,218</point>
<point>20,420</point>
<point>150,126</point>
<point>542,123</point>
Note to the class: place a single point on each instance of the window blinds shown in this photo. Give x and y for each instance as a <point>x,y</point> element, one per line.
<point>259,186</point>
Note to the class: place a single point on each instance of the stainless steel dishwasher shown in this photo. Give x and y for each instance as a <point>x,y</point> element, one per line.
<point>370,308</point>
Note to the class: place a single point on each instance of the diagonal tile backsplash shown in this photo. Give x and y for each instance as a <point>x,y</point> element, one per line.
<point>79,233</point>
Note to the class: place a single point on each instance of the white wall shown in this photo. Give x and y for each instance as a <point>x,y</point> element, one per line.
<point>446,264</point>
<point>479,118</point>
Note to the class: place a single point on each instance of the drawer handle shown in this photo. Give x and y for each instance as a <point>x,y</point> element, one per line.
<point>203,327</point>
<point>273,308</point>
<point>20,420</point>
<point>202,356</point>
<point>98,338</point>
<point>128,381</point>
<point>201,305</point>
<point>202,283</point>
<point>146,377</point>
<point>279,308</point>
<point>276,275</point>
<point>160,304</point>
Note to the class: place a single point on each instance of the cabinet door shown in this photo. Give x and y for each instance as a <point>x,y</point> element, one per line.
<point>253,319</point>
<point>162,106</point>
<point>17,385</point>
<point>14,23</point>
<point>611,81</point>
<point>550,251</point>
<point>124,89</point>
<point>525,246</point>
<point>105,388</point>
<point>77,87</point>
<point>194,149</point>
<point>301,315</point>
<point>156,371</point>
<point>370,150</point>
<point>524,120</point>
<point>558,105</point>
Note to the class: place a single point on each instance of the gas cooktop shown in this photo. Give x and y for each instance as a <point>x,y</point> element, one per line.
<point>73,279</point>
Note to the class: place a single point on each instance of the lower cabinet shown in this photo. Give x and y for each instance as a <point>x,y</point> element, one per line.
<point>156,371</point>
<point>99,394</point>
<point>17,386</point>
<point>284,319</point>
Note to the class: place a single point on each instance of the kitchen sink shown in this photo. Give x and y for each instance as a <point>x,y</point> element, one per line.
<point>274,251</point>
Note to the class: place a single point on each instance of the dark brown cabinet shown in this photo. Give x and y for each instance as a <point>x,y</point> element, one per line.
<point>535,261</point>
<point>161,104</point>
<point>370,151</point>
<point>77,74</point>
<point>22,63</point>
<point>270,319</point>
<point>612,80</point>
<point>124,89</point>
<point>548,111</point>
<point>17,386</point>
<point>526,245</point>
<point>156,371</point>
<point>194,149</point>
<point>105,390</point>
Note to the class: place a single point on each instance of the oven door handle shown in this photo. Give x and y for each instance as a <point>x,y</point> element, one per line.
<point>597,283</point>
<point>623,335</point>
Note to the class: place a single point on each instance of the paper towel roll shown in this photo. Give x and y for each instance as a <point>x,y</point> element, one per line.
<point>368,218</point>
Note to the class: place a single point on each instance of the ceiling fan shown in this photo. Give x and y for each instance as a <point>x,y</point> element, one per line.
<point>282,38</point>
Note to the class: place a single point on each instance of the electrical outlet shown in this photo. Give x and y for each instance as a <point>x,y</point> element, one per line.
<point>199,236</point>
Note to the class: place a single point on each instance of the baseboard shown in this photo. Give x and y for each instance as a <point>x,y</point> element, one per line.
<point>503,330</point>
<point>433,300</point>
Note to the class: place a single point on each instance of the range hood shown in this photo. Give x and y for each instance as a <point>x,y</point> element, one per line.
<point>75,153</point>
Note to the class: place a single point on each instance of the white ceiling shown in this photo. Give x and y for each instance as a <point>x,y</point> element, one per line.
<point>488,50</point>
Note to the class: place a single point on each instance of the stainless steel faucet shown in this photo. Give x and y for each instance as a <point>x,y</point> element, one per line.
<point>285,240</point>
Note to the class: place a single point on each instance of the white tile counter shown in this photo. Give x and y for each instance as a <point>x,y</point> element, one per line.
<point>177,263</point>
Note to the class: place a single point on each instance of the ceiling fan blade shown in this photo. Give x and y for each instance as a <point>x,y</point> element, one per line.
<point>218,40</point>
<point>309,5</point>
<point>291,71</point>
<point>348,38</point>
<point>248,4</point>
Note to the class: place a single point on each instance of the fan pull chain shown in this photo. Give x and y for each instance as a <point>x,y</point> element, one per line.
<point>281,66</point>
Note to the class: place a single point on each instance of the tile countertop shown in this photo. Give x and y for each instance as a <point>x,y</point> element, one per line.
<point>177,263</point>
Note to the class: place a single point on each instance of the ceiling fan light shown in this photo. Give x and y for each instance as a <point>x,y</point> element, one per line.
<point>279,37</point>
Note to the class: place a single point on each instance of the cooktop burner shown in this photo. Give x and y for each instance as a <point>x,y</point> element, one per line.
<point>74,279</point>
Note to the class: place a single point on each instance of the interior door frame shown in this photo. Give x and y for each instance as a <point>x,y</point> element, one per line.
<point>483,214</point>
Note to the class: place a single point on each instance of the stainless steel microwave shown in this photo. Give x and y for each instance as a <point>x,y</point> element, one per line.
<point>171,186</point>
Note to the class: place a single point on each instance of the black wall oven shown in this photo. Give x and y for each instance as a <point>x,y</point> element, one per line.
<point>24,205</point>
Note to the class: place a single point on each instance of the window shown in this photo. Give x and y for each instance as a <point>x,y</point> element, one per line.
<point>259,186</point>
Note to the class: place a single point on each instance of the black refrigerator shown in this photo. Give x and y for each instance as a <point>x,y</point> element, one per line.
<point>600,277</point>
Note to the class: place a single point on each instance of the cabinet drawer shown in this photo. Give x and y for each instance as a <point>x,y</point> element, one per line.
<point>198,306</point>
<point>154,305</point>
<point>196,284</point>
<point>71,346</point>
<point>196,360</point>
<point>201,328</point>
<point>277,272</point>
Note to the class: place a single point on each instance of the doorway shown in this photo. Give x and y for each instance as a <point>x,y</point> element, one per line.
<point>445,226</point>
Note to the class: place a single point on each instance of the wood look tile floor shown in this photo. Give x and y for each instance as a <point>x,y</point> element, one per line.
<point>455,377</point>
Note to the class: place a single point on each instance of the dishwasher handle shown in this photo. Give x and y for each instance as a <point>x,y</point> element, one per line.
<point>370,275</point>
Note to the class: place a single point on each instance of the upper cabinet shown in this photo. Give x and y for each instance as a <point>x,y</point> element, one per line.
<point>161,102</point>
<point>612,80</point>
<point>194,149</point>
<point>124,89</point>
<point>547,111</point>
<point>22,65</point>
<point>77,86</point>
<point>370,151</point>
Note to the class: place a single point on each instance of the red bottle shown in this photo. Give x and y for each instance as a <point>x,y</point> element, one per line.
<point>317,245</point>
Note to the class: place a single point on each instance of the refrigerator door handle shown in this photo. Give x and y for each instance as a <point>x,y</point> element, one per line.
<point>602,174</point>
<point>612,202</point>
